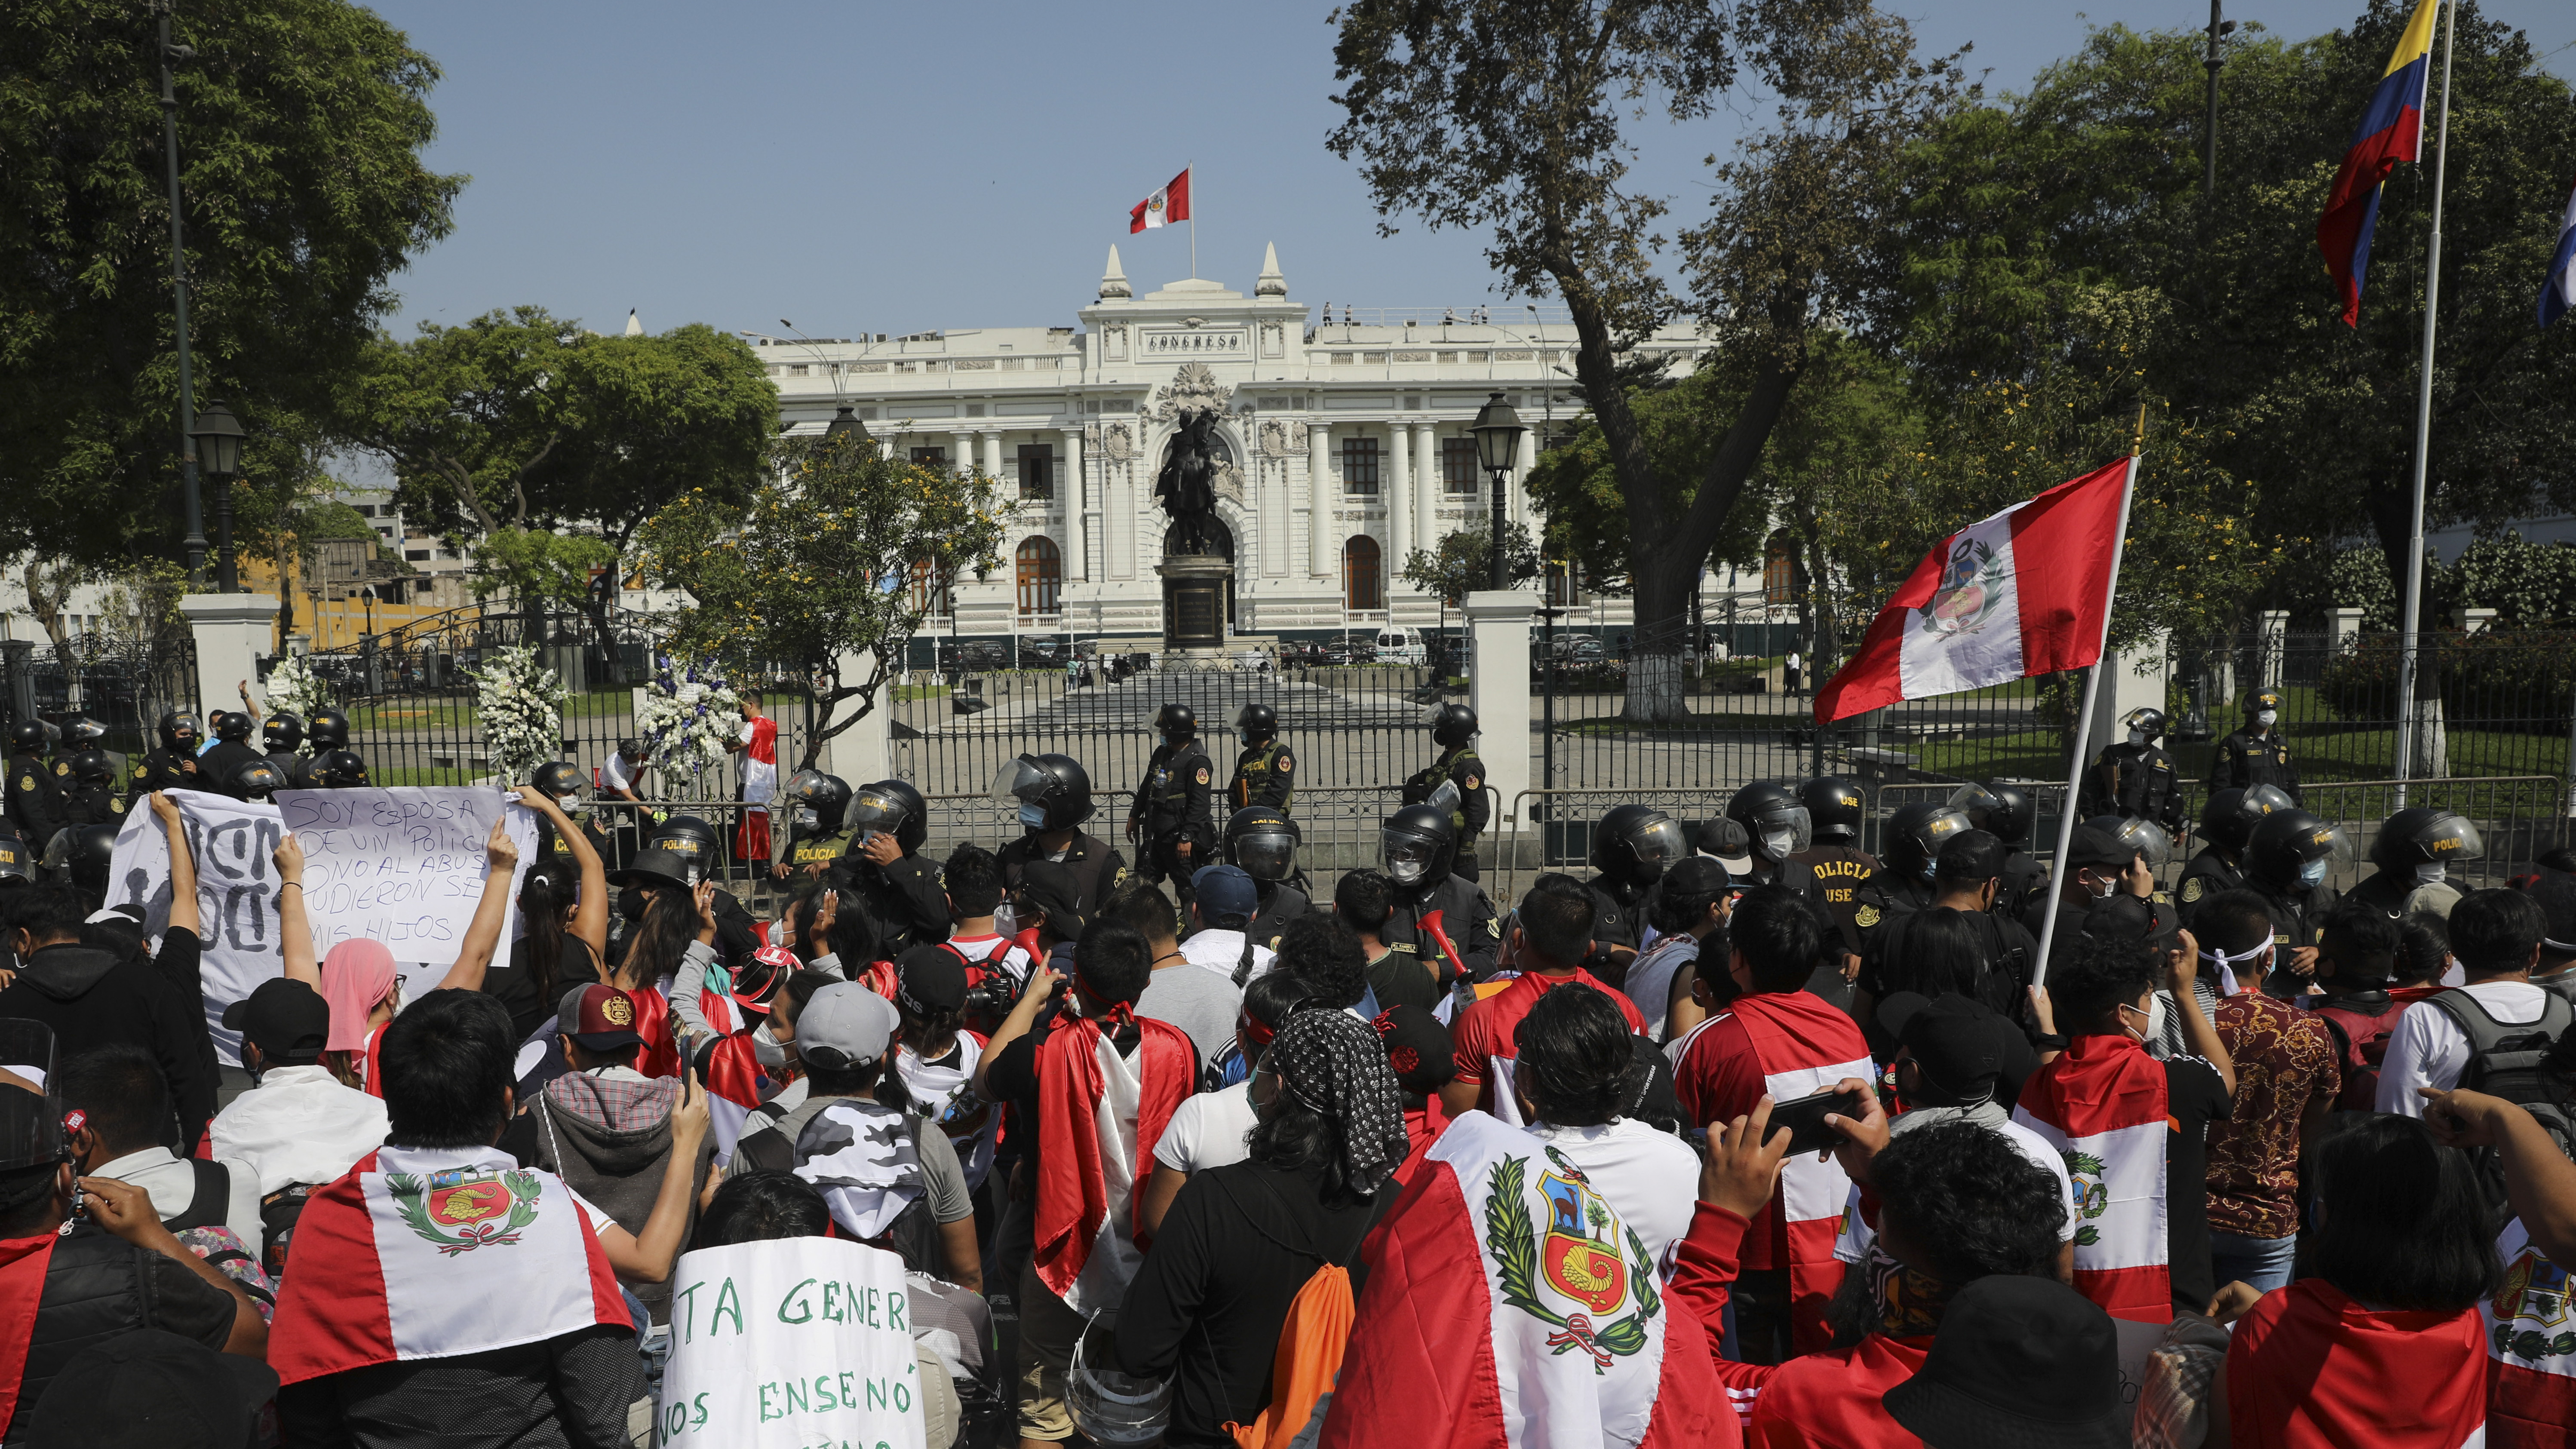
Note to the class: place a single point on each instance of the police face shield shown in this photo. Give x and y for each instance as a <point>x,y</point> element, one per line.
<point>1268,855</point>
<point>2262,800</point>
<point>873,813</point>
<point>2149,840</point>
<point>31,1117</point>
<point>2450,839</point>
<point>2321,851</point>
<point>1445,799</point>
<point>1021,788</point>
<point>1976,802</point>
<point>1408,857</point>
<point>1656,845</point>
<point>1781,832</point>
<point>1937,831</point>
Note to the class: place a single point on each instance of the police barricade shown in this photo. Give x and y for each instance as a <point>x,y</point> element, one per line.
<point>1551,830</point>
<point>1337,828</point>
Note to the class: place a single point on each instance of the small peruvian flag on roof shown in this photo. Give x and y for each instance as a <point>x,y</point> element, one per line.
<point>1170,204</point>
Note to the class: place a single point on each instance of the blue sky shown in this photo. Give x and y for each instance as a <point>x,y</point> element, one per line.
<point>882,168</point>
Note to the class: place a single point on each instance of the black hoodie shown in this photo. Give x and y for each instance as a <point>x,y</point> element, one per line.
<point>93,997</point>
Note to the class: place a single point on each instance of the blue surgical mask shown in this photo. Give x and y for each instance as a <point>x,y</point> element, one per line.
<point>2313,874</point>
<point>1033,816</point>
<point>1928,867</point>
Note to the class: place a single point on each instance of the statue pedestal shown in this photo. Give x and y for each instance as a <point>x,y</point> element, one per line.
<point>1194,606</point>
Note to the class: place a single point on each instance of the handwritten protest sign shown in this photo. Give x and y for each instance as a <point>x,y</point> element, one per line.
<point>231,841</point>
<point>791,1342</point>
<point>401,864</point>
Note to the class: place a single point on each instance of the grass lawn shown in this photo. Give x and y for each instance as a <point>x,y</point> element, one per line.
<point>920,691</point>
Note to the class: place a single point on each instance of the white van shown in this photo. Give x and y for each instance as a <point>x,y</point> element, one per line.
<point>1399,645</point>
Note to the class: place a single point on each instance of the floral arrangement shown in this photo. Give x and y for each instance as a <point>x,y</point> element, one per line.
<point>689,716</point>
<point>293,686</point>
<point>521,707</point>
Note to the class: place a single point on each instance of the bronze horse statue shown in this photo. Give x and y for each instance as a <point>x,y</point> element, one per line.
<point>1186,486</point>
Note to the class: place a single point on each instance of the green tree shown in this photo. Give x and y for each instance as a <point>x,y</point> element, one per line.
<point>1464,563</point>
<point>1482,113</point>
<point>300,129</point>
<point>1683,423</point>
<point>825,572</point>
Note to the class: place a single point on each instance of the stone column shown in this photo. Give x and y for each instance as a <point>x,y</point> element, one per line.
<point>2124,688</point>
<point>2273,627</point>
<point>864,751</point>
<point>993,463</point>
<point>1516,488</point>
<point>2346,631</point>
<point>1498,689</point>
<point>232,632</point>
<point>1428,486</point>
<point>1319,499</point>
<point>961,451</point>
<point>1396,487</point>
<point>1077,513</point>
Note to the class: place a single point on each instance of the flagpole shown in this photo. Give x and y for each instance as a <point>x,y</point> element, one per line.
<point>2084,730</point>
<point>1192,171</point>
<point>2409,640</point>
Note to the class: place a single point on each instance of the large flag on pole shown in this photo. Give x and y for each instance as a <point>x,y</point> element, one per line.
<point>1170,204</point>
<point>2558,292</point>
<point>2391,130</point>
<point>2021,593</point>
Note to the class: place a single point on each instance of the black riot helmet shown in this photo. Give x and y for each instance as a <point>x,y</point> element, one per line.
<point>339,770</point>
<point>179,730</point>
<point>28,735</point>
<point>93,848</point>
<point>2425,836</point>
<point>17,862</point>
<point>2146,721</point>
<point>1259,724</point>
<point>1416,846</point>
<point>1637,844</point>
<point>91,767</point>
<point>2291,849</point>
<point>891,807</point>
<point>258,779</point>
<point>1915,834</point>
<point>2138,836</point>
<point>80,732</point>
<point>232,724</point>
<point>1775,824</point>
<point>1833,807</point>
<point>1453,726</point>
<point>691,838</point>
<point>1263,842</point>
<point>560,781</point>
<point>819,801</point>
<point>2231,815</point>
<point>328,730</point>
<point>1998,808</point>
<point>283,731</point>
<point>2261,701</point>
<point>1177,722</point>
<point>1046,792</point>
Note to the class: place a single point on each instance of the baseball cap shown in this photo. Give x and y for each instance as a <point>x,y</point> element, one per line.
<point>845,1026</point>
<point>1051,888</point>
<point>929,980</point>
<point>151,1388</point>
<point>288,1021</point>
<point>1957,1041</point>
<point>1225,890</point>
<point>1697,875</point>
<point>2096,847</point>
<point>2126,917</point>
<point>1418,1048</point>
<point>599,1016</point>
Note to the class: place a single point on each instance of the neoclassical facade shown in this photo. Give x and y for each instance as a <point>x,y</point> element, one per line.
<point>1344,443</point>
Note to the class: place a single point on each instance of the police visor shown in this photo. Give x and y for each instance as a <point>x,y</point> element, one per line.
<point>1021,782</point>
<point>874,811</point>
<point>1658,842</point>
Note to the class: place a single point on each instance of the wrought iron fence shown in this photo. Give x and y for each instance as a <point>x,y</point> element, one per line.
<point>124,682</point>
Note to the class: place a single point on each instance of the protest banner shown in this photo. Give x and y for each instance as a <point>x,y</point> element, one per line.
<point>791,1342</point>
<point>231,841</point>
<point>402,864</point>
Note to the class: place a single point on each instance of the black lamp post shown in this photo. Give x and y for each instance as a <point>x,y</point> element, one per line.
<point>843,424</point>
<point>218,437</point>
<point>1498,444</point>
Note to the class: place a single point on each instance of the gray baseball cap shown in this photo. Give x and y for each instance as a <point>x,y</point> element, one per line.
<point>844,1026</point>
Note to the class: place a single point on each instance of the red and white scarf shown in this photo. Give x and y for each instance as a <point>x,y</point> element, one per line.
<point>1099,1116</point>
<point>430,1253</point>
<point>2103,1105</point>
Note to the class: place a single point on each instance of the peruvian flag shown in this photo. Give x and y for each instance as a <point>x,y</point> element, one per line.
<point>1170,204</point>
<point>1100,1116</point>
<point>1508,1307</point>
<point>431,1253</point>
<point>2021,593</point>
<point>2102,1105</point>
<point>2530,1333</point>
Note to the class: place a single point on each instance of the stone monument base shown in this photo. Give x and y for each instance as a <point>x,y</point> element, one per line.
<point>1194,605</point>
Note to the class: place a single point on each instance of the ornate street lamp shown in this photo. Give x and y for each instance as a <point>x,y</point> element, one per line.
<point>1498,444</point>
<point>219,438</point>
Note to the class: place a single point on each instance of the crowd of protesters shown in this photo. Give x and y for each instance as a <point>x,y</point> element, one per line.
<point>1745,1135</point>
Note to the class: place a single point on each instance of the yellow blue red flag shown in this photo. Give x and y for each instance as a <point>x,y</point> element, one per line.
<point>2391,130</point>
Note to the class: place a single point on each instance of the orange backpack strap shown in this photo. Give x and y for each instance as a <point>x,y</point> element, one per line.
<point>1308,1360</point>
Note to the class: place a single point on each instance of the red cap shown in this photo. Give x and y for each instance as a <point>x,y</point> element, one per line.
<point>599,1016</point>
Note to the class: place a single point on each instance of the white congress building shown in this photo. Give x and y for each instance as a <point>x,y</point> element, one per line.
<point>1344,445</point>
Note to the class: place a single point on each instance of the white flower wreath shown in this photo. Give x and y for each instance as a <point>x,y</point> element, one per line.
<point>690,715</point>
<point>521,708</point>
<point>294,687</point>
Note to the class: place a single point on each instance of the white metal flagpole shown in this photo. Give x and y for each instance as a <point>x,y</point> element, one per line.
<point>2404,766</point>
<point>2083,733</point>
<point>1192,171</point>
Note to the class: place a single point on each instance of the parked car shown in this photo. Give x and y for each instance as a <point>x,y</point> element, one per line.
<point>1579,649</point>
<point>976,654</point>
<point>1348,651</point>
<point>1397,644</point>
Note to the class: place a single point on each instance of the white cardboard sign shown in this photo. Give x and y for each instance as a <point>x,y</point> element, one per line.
<point>789,1343</point>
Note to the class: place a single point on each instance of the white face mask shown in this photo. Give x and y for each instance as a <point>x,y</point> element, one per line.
<point>2137,737</point>
<point>2429,873</point>
<point>1778,844</point>
<point>2104,892</point>
<point>2313,874</point>
<point>766,1048</point>
<point>2155,1018</point>
<point>2266,716</point>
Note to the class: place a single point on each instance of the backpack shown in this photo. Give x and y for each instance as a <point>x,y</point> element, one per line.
<point>2505,1061</point>
<point>2361,1041</point>
<point>1309,1357</point>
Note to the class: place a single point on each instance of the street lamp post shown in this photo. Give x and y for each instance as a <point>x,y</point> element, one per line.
<point>218,439</point>
<point>196,540</point>
<point>1498,433</point>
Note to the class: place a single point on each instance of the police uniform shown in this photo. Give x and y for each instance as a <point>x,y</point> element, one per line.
<point>2298,919</point>
<point>35,798</point>
<point>1281,905</point>
<point>2021,887</point>
<point>1618,920</point>
<point>1458,766</point>
<point>2210,873</point>
<point>1467,918</point>
<point>549,839</point>
<point>91,803</point>
<point>905,902</point>
<point>164,769</point>
<point>2246,759</point>
<point>1097,867</point>
<point>1263,775</point>
<point>1843,870</point>
<point>1176,803</point>
<point>1827,982</point>
<point>217,766</point>
<point>298,769</point>
<point>2136,781</point>
<point>2398,894</point>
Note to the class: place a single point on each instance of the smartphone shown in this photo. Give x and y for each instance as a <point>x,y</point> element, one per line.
<point>1805,1119</point>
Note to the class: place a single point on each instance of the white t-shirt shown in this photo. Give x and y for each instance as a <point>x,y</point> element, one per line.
<point>1649,982</point>
<point>299,1125</point>
<point>1012,960</point>
<point>1207,1130</point>
<point>1650,1178</point>
<point>1853,1237</point>
<point>1220,951</point>
<point>617,773</point>
<point>2429,1050</point>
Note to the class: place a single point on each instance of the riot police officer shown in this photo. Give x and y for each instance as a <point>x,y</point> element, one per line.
<point>1632,847</point>
<point>221,766</point>
<point>884,866</point>
<point>814,806</point>
<point>1913,839</point>
<point>336,770</point>
<point>1172,823</point>
<point>2135,777</point>
<point>281,733</point>
<point>1262,843</point>
<point>256,780</point>
<point>1454,730</point>
<point>1052,797</point>
<point>2257,754</point>
<point>560,781</point>
<point>2287,860</point>
<point>85,852</point>
<point>89,791</point>
<point>1834,813</point>
<point>327,730</point>
<point>35,801</point>
<point>1265,773</point>
<point>1417,847</point>
<point>174,765</point>
<point>2226,823</point>
<point>2414,853</point>
<point>2003,810</point>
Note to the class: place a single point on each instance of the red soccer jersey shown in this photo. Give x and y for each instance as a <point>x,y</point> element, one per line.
<point>1483,1035</point>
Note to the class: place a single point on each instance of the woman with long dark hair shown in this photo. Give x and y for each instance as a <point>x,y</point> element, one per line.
<point>563,908</point>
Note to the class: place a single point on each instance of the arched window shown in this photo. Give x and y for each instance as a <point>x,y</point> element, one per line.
<point>1363,575</point>
<point>929,594</point>
<point>1041,576</point>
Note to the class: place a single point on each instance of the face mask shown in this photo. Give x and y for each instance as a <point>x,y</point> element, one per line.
<point>2313,874</point>
<point>2429,873</point>
<point>2137,737</point>
<point>1033,816</point>
<point>870,838</point>
<point>1250,740</point>
<point>766,1048</point>
<point>2266,716</point>
<point>1777,844</point>
<point>567,803</point>
<point>2155,1019</point>
<point>1929,867</point>
<point>630,904</point>
<point>2104,893</point>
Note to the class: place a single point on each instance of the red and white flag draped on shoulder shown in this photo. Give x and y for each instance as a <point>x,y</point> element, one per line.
<point>1100,1116</point>
<point>431,1254</point>
<point>2104,1105</point>
<point>2021,593</point>
<point>1508,1307</point>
